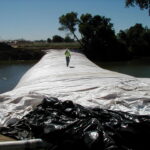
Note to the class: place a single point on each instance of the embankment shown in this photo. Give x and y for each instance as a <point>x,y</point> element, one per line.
<point>83,83</point>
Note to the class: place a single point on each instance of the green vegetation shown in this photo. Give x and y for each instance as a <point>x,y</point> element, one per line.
<point>99,41</point>
<point>136,39</point>
<point>68,22</point>
<point>98,38</point>
<point>38,46</point>
<point>30,50</point>
<point>9,53</point>
<point>59,39</point>
<point>143,4</point>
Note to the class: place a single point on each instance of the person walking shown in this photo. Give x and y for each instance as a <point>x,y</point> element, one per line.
<point>68,56</point>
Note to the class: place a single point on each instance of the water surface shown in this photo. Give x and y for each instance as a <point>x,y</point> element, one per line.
<point>11,72</point>
<point>138,67</point>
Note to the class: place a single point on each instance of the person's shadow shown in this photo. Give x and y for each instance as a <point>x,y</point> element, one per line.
<point>71,67</point>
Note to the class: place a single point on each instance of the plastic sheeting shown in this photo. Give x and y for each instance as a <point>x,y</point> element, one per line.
<point>83,83</point>
<point>65,126</point>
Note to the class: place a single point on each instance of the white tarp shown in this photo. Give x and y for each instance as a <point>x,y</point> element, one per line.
<point>83,82</point>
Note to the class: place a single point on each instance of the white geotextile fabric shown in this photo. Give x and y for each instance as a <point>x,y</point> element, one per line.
<point>83,82</point>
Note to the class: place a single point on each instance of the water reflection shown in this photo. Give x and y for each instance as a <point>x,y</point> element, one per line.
<point>11,72</point>
<point>137,67</point>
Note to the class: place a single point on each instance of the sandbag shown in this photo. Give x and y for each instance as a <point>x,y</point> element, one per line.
<point>65,125</point>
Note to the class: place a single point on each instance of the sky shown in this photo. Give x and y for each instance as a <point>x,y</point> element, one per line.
<point>39,19</point>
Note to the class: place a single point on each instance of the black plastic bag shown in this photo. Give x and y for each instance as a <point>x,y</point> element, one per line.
<point>64,125</point>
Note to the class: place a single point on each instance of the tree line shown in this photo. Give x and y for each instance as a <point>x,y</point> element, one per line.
<point>99,41</point>
<point>59,39</point>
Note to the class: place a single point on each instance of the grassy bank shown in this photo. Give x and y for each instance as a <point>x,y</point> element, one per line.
<point>31,51</point>
<point>44,46</point>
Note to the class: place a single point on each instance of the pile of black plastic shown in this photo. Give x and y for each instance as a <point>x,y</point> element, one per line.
<point>69,126</point>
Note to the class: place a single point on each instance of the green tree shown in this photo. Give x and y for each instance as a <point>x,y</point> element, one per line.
<point>143,4</point>
<point>57,38</point>
<point>68,39</point>
<point>69,22</point>
<point>49,40</point>
<point>98,37</point>
<point>137,39</point>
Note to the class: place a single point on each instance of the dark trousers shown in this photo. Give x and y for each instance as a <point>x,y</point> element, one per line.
<point>67,61</point>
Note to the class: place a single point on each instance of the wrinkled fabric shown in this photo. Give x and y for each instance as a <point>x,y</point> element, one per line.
<point>83,83</point>
<point>65,126</point>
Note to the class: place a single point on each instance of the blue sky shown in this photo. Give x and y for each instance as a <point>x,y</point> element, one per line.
<point>38,19</point>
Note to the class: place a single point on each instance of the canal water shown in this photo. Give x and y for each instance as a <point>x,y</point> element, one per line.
<point>11,72</point>
<point>138,67</point>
